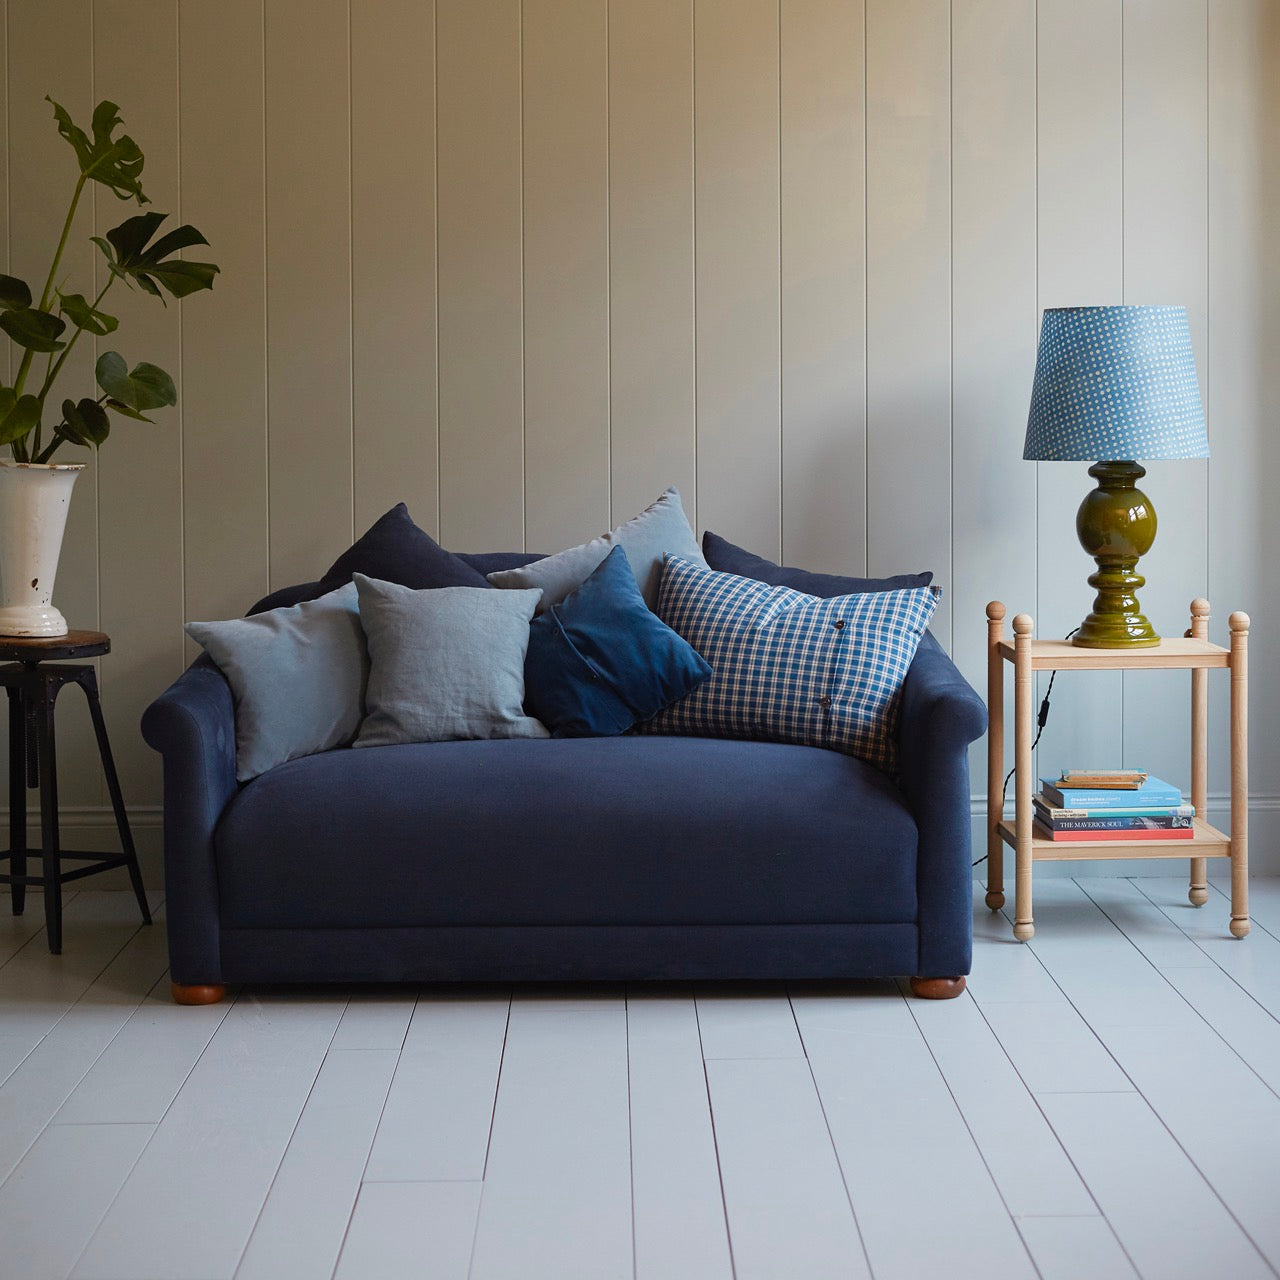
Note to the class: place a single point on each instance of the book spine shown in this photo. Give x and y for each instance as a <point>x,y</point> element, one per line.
<point>1051,813</point>
<point>1117,824</point>
<point>1176,833</point>
<point>1072,799</point>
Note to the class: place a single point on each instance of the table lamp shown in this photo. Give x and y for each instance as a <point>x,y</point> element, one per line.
<point>1112,385</point>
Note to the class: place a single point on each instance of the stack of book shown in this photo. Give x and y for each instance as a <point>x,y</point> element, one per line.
<point>1120,805</point>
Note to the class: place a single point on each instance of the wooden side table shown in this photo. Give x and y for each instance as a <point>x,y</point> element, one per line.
<point>1192,652</point>
<point>33,680</point>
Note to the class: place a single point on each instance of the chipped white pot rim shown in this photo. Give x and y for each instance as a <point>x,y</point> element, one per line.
<point>42,466</point>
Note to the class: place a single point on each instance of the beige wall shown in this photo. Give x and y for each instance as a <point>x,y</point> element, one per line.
<point>523,265</point>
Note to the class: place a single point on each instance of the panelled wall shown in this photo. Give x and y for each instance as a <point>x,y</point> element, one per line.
<point>523,264</point>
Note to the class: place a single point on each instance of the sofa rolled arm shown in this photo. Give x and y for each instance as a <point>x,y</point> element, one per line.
<point>192,725</point>
<point>939,716</point>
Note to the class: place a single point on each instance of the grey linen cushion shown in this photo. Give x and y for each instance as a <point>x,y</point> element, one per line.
<point>446,663</point>
<point>297,675</point>
<point>646,538</point>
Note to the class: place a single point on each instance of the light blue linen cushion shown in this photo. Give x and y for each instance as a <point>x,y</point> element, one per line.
<point>659,529</point>
<point>790,667</point>
<point>297,675</point>
<point>444,664</point>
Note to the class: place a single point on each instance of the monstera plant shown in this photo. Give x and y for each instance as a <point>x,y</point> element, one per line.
<point>51,326</point>
<point>34,423</point>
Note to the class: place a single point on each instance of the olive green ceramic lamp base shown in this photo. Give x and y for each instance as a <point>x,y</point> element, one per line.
<point>1117,525</point>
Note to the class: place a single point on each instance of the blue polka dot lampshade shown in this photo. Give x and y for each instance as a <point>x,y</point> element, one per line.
<point>1115,384</point>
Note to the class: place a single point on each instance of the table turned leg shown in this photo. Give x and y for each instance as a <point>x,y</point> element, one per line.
<point>88,681</point>
<point>49,846</point>
<point>1023,736</point>
<point>1239,624</point>
<point>17,798</point>
<point>1198,891</point>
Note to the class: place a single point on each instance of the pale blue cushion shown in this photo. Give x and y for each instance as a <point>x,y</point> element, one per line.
<point>790,667</point>
<point>445,664</point>
<point>658,530</point>
<point>297,675</point>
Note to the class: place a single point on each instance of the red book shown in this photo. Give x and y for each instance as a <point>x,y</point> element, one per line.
<point>1165,833</point>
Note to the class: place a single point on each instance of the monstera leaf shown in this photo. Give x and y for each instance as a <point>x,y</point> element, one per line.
<point>145,386</point>
<point>34,329</point>
<point>14,293</point>
<point>18,414</point>
<point>130,256</point>
<point>82,313</point>
<point>114,162</point>
<point>85,423</point>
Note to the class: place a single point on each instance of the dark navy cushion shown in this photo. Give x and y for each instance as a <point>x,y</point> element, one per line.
<point>599,661</point>
<point>496,561</point>
<point>589,831</point>
<point>394,549</point>
<point>724,557</point>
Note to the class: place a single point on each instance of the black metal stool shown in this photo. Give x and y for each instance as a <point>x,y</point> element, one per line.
<point>33,688</point>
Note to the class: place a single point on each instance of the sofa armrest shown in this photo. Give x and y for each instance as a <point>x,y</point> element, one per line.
<point>192,724</point>
<point>940,715</point>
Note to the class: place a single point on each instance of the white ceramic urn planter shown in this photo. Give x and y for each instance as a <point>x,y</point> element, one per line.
<point>34,498</point>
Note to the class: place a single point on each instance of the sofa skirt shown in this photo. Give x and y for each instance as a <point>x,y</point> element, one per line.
<point>564,953</point>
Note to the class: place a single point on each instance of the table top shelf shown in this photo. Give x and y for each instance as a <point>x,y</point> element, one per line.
<point>1207,842</point>
<point>1177,654</point>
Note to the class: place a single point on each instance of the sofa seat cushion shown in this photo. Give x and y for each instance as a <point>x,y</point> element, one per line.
<point>635,831</point>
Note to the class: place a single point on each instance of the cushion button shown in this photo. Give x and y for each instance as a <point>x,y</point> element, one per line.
<point>838,624</point>
<point>824,702</point>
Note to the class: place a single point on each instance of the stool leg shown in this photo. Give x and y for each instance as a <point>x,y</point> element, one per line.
<point>45,748</point>
<point>88,681</point>
<point>17,797</point>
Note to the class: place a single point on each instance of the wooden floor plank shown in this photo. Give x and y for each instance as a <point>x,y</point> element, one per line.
<point>788,1210</point>
<point>140,1072</point>
<point>1164,1214</point>
<point>56,1197</point>
<point>436,1122</point>
<point>402,1229</point>
<point>679,1218</point>
<point>557,1193</point>
<point>1069,1248</point>
<point>747,1020</point>
<point>304,1219</point>
<point>183,1213</point>
<point>375,1019</point>
<point>903,1144</point>
<point>1003,969</point>
<point>17,931</point>
<point>35,1091</point>
<point>1022,1152</point>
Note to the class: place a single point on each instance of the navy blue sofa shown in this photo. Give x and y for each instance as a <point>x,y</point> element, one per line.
<point>605,858</point>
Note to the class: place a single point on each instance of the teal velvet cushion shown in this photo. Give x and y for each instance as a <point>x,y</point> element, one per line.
<point>658,530</point>
<point>600,661</point>
<point>297,675</point>
<point>444,663</point>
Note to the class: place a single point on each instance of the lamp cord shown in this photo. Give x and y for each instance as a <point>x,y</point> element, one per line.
<point>1042,718</point>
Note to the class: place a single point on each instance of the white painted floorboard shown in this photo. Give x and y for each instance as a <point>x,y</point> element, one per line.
<point>1102,1102</point>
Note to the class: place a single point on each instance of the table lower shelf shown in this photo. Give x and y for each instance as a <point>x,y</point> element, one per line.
<point>1207,842</point>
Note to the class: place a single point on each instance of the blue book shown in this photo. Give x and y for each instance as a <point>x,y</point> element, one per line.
<point>1151,795</point>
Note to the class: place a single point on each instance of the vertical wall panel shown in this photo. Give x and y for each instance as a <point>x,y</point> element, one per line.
<point>909,293</point>
<point>56,58</point>
<point>308,286</point>
<point>993,138</point>
<point>224,358</point>
<point>566,272</point>
<point>393,259</point>
<point>1166,261</point>
<point>651,356</point>
<point>140,537</point>
<point>479,228</point>
<point>1080,256</point>
<point>824,445</point>
<point>1243,375</point>
<point>736,228</point>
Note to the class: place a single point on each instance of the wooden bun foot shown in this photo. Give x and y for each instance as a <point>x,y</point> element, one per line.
<point>196,994</point>
<point>1197,895</point>
<point>937,988</point>
<point>1240,927</point>
<point>1024,932</point>
<point>995,899</point>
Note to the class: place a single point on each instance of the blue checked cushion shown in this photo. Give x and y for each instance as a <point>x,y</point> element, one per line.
<point>789,667</point>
